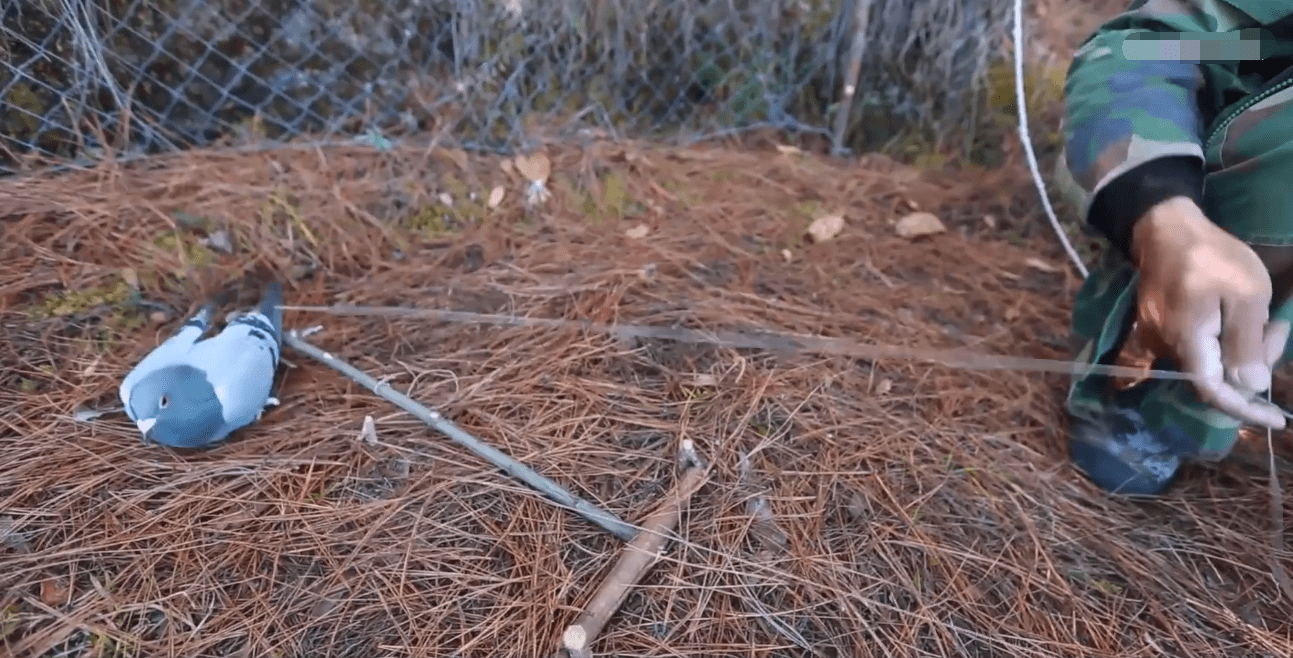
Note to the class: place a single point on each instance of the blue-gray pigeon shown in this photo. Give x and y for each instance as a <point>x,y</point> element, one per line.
<point>192,392</point>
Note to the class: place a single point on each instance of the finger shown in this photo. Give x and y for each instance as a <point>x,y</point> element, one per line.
<point>1237,403</point>
<point>1243,350</point>
<point>1201,358</point>
<point>1277,338</point>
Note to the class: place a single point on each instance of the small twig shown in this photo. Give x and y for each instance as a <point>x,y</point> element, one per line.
<point>634,561</point>
<point>861,18</point>
<point>606,520</point>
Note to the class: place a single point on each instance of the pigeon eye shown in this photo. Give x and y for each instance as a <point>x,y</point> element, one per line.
<point>161,404</point>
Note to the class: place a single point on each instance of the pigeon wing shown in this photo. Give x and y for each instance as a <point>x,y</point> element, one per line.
<point>240,363</point>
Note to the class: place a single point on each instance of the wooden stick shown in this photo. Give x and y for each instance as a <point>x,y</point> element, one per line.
<point>606,520</point>
<point>634,561</point>
<point>861,18</point>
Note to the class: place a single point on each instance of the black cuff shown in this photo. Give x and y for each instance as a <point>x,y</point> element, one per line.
<point>1128,197</point>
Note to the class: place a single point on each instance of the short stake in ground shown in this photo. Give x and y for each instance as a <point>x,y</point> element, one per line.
<point>637,557</point>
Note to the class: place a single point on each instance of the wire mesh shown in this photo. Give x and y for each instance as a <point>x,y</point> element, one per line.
<point>156,75</point>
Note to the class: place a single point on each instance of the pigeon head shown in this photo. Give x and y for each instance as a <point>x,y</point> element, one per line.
<point>176,406</point>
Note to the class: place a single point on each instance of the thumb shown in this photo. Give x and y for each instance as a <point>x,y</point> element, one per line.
<point>1243,345</point>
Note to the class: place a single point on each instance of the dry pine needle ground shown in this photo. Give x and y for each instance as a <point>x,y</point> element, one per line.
<point>854,509</point>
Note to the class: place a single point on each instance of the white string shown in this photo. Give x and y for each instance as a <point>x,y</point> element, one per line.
<point>1277,517</point>
<point>1028,140</point>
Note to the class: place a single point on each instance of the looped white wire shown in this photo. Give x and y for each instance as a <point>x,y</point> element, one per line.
<point>1028,140</point>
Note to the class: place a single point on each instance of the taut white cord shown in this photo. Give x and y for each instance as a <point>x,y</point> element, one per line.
<point>1028,140</point>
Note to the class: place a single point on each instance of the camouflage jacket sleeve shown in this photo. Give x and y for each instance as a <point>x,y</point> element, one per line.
<point>1133,126</point>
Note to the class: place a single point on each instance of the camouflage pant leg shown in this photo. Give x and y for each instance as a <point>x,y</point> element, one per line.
<point>1248,148</point>
<point>1102,312</point>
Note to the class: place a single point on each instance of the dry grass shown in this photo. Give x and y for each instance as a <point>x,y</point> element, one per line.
<point>914,510</point>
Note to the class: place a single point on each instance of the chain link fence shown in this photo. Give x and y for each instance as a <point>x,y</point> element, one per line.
<point>148,76</point>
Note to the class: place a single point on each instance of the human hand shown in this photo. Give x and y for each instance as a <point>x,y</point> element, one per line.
<point>1205,297</point>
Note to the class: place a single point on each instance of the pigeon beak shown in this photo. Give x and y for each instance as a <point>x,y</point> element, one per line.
<point>146,426</point>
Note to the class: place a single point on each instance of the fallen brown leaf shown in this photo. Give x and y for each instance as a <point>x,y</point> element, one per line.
<point>825,228</point>
<point>131,277</point>
<point>53,593</point>
<point>919,224</point>
<point>535,167</point>
<point>457,156</point>
<point>368,433</point>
